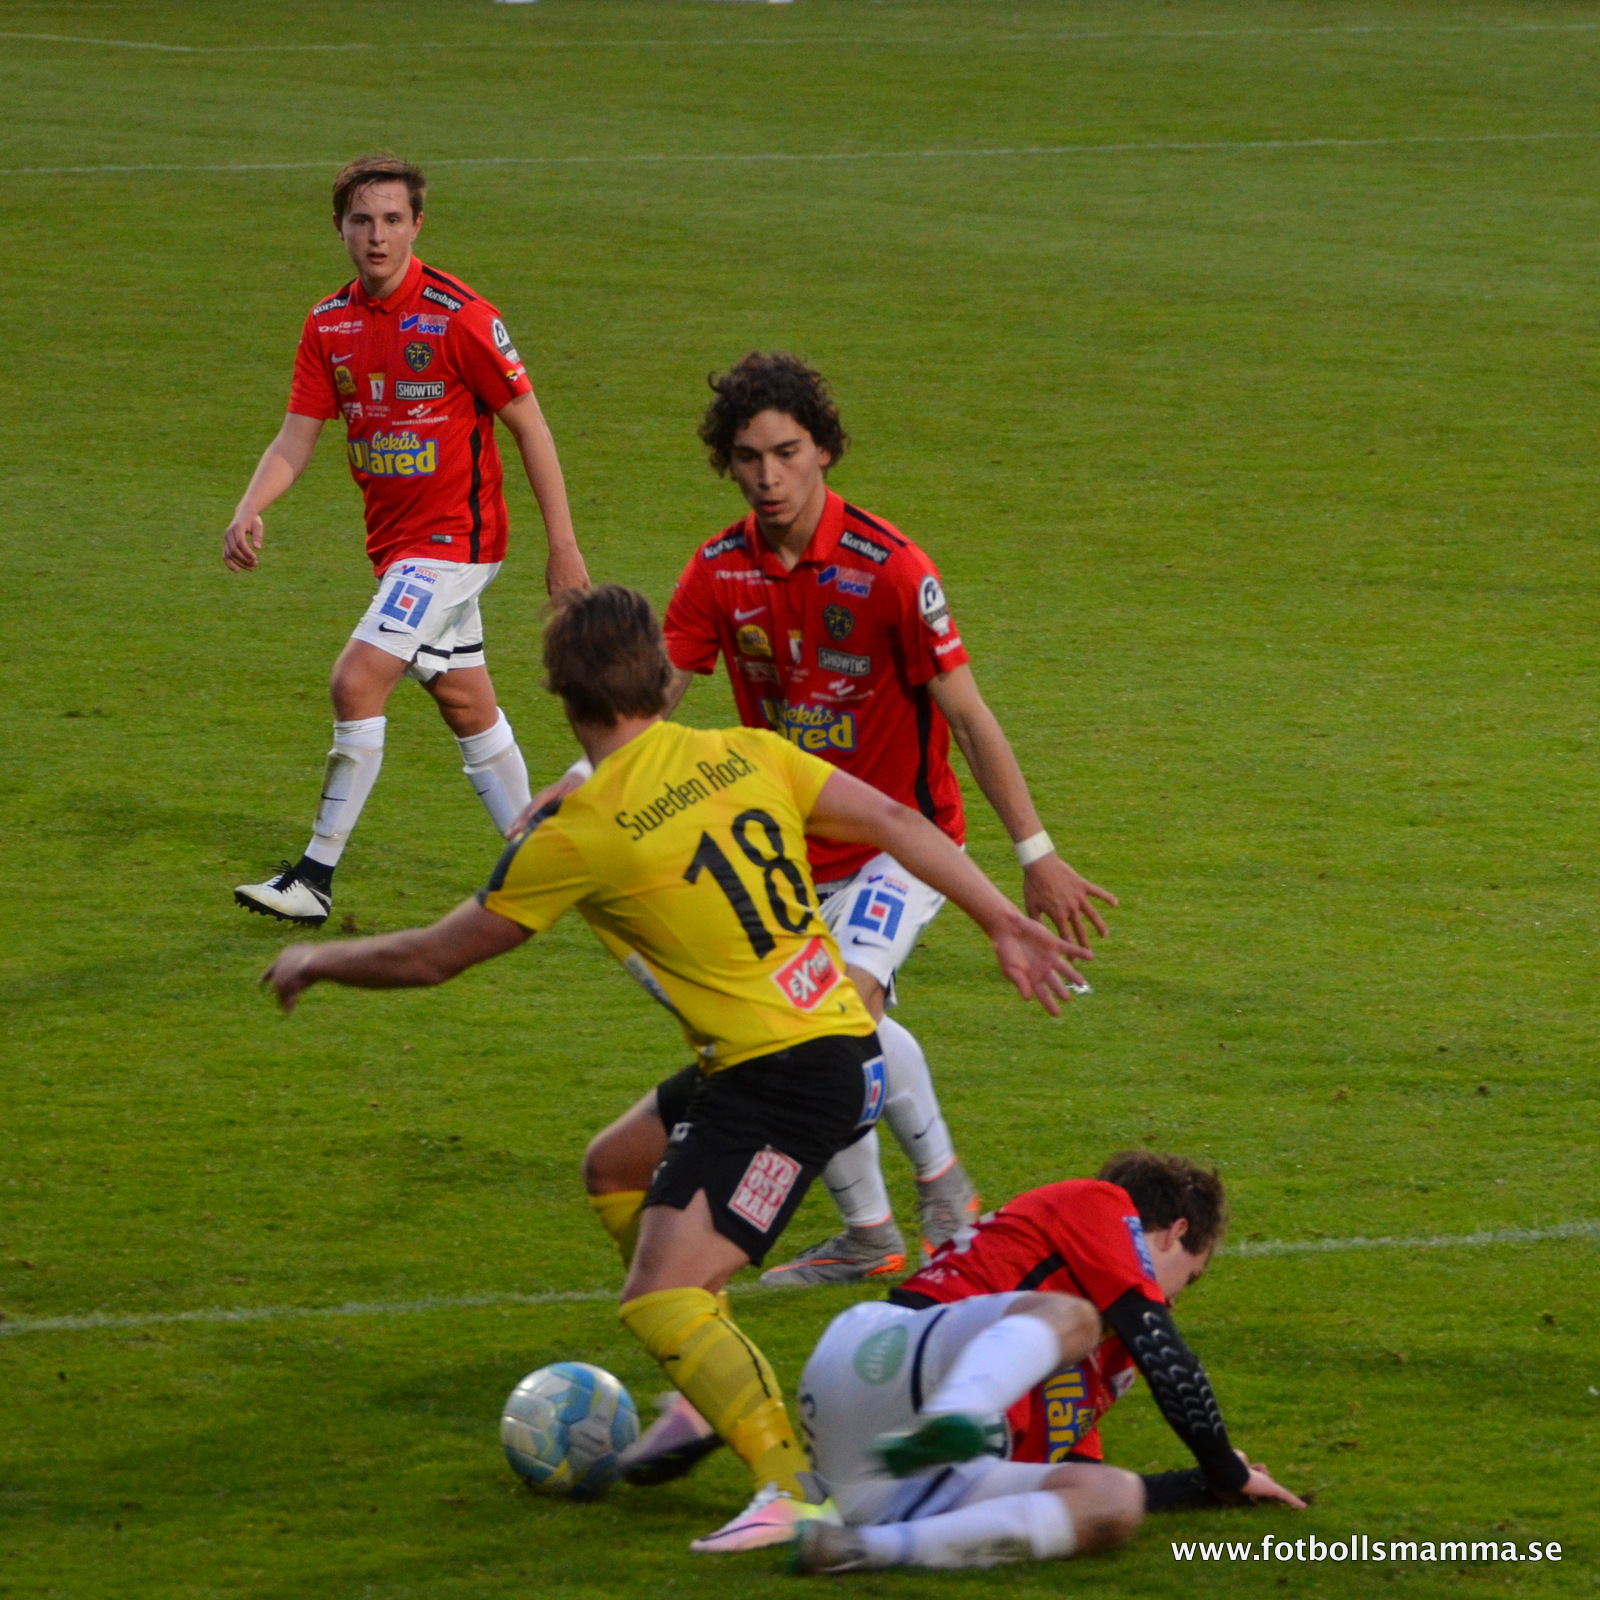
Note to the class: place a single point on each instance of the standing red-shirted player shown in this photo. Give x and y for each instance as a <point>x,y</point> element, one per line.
<point>419,367</point>
<point>836,632</point>
<point>1044,1314</point>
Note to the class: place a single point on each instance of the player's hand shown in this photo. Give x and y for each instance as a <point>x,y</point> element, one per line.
<point>565,570</point>
<point>1050,888</point>
<point>1038,962</point>
<point>1260,1486</point>
<point>237,552</point>
<point>559,790</point>
<point>291,975</point>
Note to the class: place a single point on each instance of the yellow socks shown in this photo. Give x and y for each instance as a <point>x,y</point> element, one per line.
<point>619,1216</point>
<point>724,1376</point>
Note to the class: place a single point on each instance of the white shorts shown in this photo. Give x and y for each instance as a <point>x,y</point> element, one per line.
<point>878,916</point>
<point>426,613</point>
<point>871,1373</point>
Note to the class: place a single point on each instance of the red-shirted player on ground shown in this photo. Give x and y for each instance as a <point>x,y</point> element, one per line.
<point>419,367</point>
<point>836,632</point>
<point>1039,1318</point>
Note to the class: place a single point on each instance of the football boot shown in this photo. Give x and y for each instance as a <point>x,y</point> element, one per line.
<point>287,897</point>
<point>672,1446</point>
<point>939,1440</point>
<point>822,1548</point>
<point>772,1517</point>
<point>946,1205</point>
<point>849,1257</point>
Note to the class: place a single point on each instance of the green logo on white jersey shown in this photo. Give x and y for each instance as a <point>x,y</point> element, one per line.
<point>879,1357</point>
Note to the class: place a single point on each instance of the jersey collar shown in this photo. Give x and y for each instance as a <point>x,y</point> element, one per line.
<point>824,541</point>
<point>402,296</point>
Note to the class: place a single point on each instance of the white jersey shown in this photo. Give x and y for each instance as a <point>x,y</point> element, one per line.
<point>871,1373</point>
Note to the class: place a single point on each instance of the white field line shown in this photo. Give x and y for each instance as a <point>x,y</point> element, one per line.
<point>1211,146</point>
<point>841,41</point>
<point>94,1321</point>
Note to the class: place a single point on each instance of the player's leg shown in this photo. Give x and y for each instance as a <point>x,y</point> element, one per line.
<point>363,678</point>
<point>985,1514</point>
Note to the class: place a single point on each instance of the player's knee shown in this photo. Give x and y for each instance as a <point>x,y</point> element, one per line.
<point>1076,1322</point>
<point>1106,1508</point>
<point>601,1167</point>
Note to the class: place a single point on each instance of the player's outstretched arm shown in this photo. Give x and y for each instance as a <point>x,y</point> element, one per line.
<point>1050,887</point>
<point>1030,955</point>
<point>418,958</point>
<point>281,463</point>
<point>525,421</point>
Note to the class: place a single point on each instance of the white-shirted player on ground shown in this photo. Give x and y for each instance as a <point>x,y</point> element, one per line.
<point>419,367</point>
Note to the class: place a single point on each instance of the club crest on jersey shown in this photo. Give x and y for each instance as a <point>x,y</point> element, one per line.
<point>807,977</point>
<point>419,356</point>
<point>440,298</point>
<point>395,455</point>
<point>766,1184</point>
<point>1068,1415</point>
<point>753,641</point>
<point>880,904</point>
<point>1141,1245</point>
<point>931,603</point>
<point>406,602</point>
<point>838,620</point>
<point>811,727</point>
<point>343,381</point>
<point>420,322</point>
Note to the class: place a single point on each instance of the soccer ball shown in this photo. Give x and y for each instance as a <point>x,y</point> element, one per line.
<point>563,1428</point>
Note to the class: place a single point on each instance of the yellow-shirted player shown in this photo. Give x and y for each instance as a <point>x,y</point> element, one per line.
<point>685,851</point>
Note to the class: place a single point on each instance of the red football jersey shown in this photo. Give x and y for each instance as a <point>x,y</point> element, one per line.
<point>1081,1237</point>
<point>418,378</point>
<point>836,654</point>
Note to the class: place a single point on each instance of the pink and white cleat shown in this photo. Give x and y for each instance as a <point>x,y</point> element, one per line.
<point>772,1517</point>
<point>673,1445</point>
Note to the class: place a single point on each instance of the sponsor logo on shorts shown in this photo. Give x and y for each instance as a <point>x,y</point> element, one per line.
<point>400,454</point>
<point>839,621</point>
<point>419,357</point>
<point>433,389</point>
<point>420,322</point>
<point>720,547</point>
<point>881,1355</point>
<point>766,1184</point>
<point>440,298</point>
<point>753,641</point>
<point>343,381</point>
<point>1141,1246</point>
<point>419,574</point>
<point>375,382</point>
<point>811,727</point>
<point>337,303</point>
<point>931,603</point>
<point>875,553</point>
<point>806,978</point>
<point>406,602</point>
<point>839,661</point>
<point>1068,1415</point>
<point>875,1088</point>
<point>341,327</point>
<point>847,580</point>
<point>879,906</point>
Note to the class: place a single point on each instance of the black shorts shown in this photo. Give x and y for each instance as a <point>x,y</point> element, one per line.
<point>755,1136</point>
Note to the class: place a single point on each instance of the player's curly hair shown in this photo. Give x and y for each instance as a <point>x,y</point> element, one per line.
<point>1165,1188</point>
<point>363,170</point>
<point>604,655</point>
<point>773,381</point>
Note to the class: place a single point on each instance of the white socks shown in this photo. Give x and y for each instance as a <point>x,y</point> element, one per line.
<point>855,1180</point>
<point>1017,1527</point>
<point>997,1368</point>
<point>910,1106</point>
<point>347,780</point>
<point>498,774</point>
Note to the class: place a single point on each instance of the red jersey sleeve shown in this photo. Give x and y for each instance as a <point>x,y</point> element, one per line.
<point>926,634</point>
<point>484,357</point>
<point>1103,1244</point>
<point>691,622</point>
<point>311,390</point>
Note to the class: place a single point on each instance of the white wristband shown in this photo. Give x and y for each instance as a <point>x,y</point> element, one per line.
<point>583,768</point>
<point>1031,849</point>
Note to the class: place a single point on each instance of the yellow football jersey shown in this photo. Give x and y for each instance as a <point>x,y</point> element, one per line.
<point>686,853</point>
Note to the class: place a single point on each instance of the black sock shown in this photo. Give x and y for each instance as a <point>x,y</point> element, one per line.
<point>317,873</point>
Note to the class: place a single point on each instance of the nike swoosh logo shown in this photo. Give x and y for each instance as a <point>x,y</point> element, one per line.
<point>383,627</point>
<point>754,611</point>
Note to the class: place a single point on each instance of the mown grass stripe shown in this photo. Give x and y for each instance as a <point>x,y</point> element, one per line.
<point>93,1321</point>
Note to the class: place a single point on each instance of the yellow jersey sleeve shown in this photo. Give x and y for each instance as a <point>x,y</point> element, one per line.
<point>539,876</point>
<point>803,774</point>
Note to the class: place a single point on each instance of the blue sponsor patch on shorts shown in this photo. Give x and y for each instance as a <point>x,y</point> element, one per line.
<point>872,1103</point>
<point>406,602</point>
<point>878,909</point>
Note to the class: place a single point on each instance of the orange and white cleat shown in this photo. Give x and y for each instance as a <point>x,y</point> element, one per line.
<point>853,1256</point>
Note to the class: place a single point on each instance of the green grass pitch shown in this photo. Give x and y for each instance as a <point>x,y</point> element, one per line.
<point>1262,475</point>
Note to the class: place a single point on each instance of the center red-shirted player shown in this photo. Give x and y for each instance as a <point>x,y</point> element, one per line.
<point>1044,1313</point>
<point>836,632</point>
<point>418,366</point>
